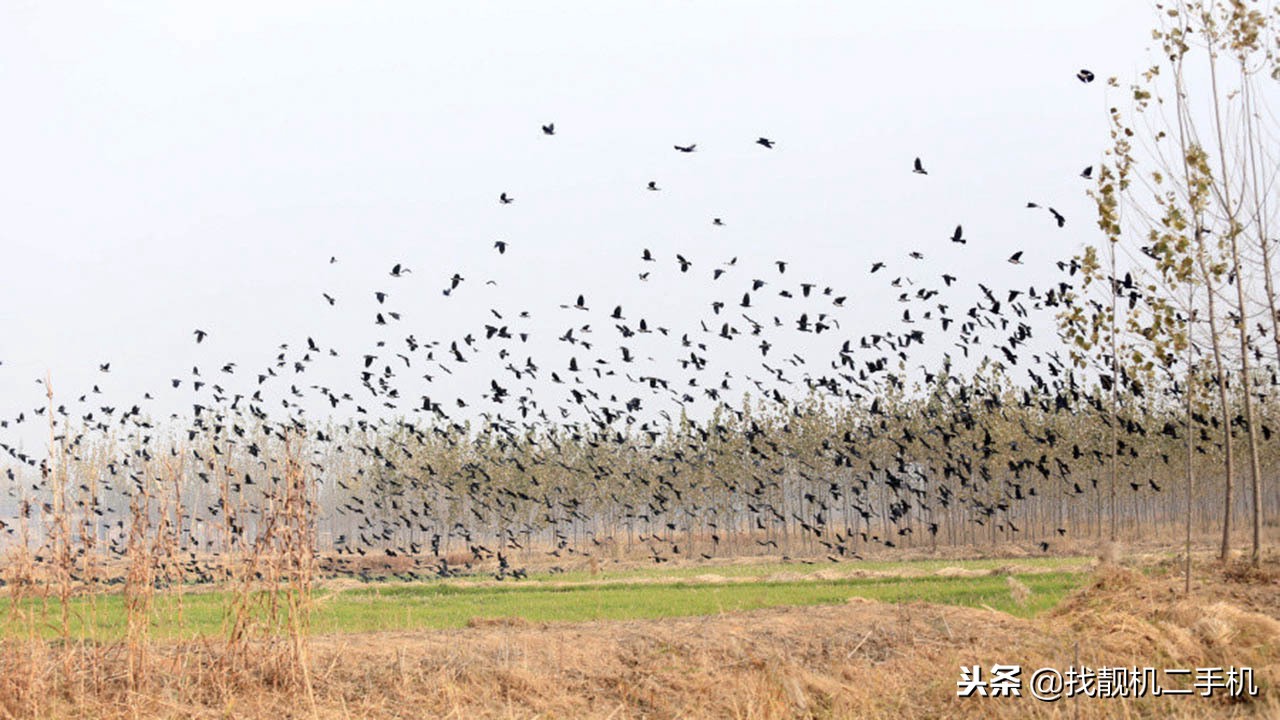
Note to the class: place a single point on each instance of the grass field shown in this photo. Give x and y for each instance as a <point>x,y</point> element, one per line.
<point>623,594</point>
<point>737,638</point>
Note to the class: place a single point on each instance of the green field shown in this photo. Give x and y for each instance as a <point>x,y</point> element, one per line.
<point>619,595</point>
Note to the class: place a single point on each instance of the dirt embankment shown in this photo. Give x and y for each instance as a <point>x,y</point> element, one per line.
<point>862,659</point>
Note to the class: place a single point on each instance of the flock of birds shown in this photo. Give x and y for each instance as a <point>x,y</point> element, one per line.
<point>407,475</point>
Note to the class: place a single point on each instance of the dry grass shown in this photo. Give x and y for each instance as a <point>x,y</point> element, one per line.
<point>863,659</point>
<point>1020,593</point>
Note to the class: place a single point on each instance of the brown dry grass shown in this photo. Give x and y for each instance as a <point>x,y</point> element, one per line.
<point>863,659</point>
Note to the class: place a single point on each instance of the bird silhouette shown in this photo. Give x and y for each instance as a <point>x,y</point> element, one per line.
<point>621,429</point>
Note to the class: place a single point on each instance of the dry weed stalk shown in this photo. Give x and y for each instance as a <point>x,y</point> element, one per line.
<point>139,584</point>
<point>59,540</point>
<point>24,650</point>
<point>298,550</point>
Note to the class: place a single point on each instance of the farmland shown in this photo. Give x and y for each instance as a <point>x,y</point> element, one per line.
<point>640,361</point>
<point>622,595</point>
<point>760,639</point>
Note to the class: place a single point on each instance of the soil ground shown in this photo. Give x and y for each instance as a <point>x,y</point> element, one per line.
<point>860,659</point>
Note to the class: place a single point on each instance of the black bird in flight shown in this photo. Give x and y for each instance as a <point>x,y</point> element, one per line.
<point>653,185</point>
<point>876,266</point>
<point>717,221</point>
<point>505,199</point>
<point>200,336</point>
<point>1085,76</point>
<point>329,298</point>
<point>782,265</point>
<point>919,168</point>
<point>398,270</point>
<point>765,142</point>
<point>105,367</point>
<point>958,236</point>
<point>687,148</point>
<point>549,129</point>
<point>1087,173</point>
<point>501,245</point>
<point>1057,216</point>
<point>1016,258</point>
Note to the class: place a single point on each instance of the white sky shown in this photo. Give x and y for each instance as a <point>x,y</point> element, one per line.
<point>167,166</point>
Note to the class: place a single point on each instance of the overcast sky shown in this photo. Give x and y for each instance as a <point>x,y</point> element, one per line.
<point>168,166</point>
